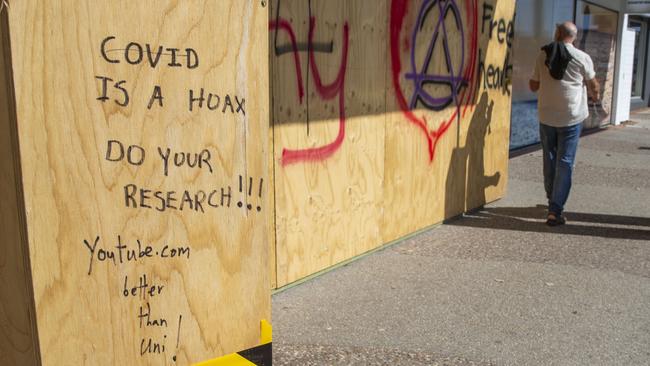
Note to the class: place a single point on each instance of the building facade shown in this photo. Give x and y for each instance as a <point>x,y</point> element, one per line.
<point>613,32</point>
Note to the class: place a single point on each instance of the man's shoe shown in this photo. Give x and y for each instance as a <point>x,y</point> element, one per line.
<point>555,220</point>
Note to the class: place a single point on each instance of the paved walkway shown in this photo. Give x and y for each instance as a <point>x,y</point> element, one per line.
<point>498,287</point>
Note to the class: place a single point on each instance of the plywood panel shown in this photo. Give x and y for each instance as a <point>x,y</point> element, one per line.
<point>137,259</point>
<point>449,154</point>
<point>328,160</point>
<point>430,118</point>
<point>289,87</point>
<point>18,342</point>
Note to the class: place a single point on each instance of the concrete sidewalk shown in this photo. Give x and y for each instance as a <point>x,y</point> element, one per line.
<point>498,287</point>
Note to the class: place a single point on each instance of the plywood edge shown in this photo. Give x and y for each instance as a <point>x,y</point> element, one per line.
<point>271,215</point>
<point>19,341</point>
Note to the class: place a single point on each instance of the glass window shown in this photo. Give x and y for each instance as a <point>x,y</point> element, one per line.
<point>597,35</point>
<point>638,71</point>
<point>535,26</point>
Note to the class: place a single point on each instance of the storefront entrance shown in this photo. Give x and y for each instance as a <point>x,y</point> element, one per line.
<point>639,91</point>
<point>599,35</point>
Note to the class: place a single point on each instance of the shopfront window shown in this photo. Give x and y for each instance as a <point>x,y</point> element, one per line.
<point>534,26</point>
<point>597,35</point>
<point>638,71</point>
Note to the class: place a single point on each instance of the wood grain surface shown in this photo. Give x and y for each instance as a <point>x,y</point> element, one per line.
<point>400,167</point>
<point>18,341</point>
<point>105,204</point>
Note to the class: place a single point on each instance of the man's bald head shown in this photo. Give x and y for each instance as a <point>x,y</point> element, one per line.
<point>566,32</point>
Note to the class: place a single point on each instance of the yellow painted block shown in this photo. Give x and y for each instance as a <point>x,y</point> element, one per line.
<point>229,360</point>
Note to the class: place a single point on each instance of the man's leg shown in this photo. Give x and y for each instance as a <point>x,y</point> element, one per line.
<point>548,136</point>
<point>568,138</point>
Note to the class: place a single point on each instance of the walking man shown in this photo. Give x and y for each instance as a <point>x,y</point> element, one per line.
<point>564,77</point>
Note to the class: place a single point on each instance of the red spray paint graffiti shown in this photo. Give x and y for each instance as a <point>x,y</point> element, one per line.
<point>463,87</point>
<point>325,91</point>
<point>399,10</point>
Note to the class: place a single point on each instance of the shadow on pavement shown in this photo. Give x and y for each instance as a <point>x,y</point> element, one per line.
<point>578,223</point>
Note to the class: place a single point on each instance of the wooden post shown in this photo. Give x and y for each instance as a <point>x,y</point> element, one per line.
<point>133,185</point>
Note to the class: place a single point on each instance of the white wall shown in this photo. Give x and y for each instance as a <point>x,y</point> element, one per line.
<point>624,76</point>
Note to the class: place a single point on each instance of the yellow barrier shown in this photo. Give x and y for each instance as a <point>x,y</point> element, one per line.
<point>256,356</point>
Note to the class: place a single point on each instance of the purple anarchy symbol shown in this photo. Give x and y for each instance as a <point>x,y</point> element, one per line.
<point>420,78</point>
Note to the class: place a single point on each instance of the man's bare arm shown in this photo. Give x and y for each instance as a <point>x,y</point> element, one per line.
<point>593,89</point>
<point>533,85</point>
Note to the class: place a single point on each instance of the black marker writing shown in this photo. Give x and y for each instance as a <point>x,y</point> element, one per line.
<point>122,253</point>
<point>134,54</point>
<point>191,160</point>
<point>146,320</point>
<point>143,289</point>
<point>156,95</point>
<point>118,86</point>
<point>92,252</point>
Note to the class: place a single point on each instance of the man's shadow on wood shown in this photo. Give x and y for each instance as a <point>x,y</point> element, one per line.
<point>532,219</point>
<point>466,179</point>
